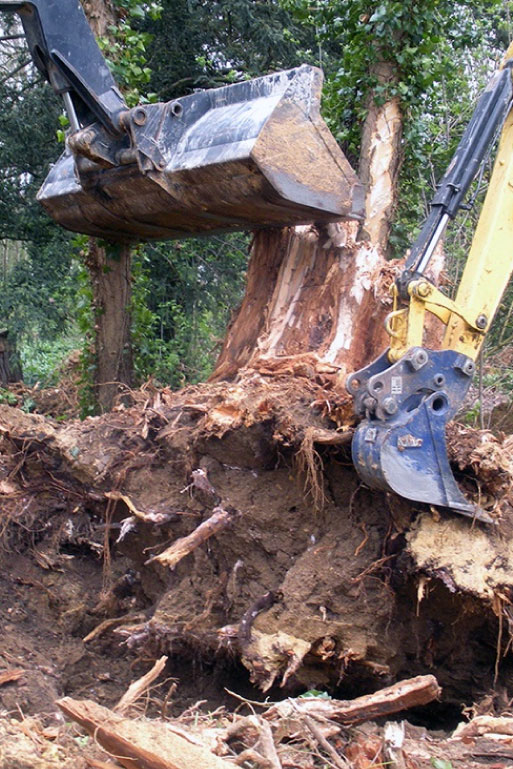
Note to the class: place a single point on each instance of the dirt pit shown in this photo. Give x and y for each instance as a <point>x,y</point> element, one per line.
<point>312,582</point>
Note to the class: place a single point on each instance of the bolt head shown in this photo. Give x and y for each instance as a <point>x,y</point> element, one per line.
<point>418,359</point>
<point>423,290</point>
<point>390,406</point>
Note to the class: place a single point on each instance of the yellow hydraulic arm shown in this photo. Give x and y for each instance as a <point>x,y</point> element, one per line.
<point>406,396</point>
<point>487,272</point>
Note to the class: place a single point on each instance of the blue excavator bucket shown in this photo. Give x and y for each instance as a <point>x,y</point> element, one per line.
<point>400,446</point>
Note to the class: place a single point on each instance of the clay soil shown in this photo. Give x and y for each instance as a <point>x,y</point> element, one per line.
<point>314,583</point>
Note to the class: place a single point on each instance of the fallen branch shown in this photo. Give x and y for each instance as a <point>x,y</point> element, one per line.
<point>218,521</point>
<point>139,687</point>
<point>138,744</point>
<point>401,696</point>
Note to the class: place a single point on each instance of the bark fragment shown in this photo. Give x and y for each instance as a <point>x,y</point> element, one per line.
<point>401,696</point>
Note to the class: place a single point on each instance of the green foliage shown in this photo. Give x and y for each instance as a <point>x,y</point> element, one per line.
<point>41,359</point>
<point>433,57</point>
<point>183,295</point>
<point>8,397</point>
<point>315,693</point>
<point>208,43</point>
<point>126,49</point>
<point>27,147</point>
<point>440,763</point>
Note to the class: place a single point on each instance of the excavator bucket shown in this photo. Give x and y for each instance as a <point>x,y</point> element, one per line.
<point>401,446</point>
<point>249,155</point>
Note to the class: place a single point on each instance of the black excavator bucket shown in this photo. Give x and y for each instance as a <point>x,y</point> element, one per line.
<point>249,155</point>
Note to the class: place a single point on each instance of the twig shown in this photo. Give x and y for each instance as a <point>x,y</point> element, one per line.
<point>338,760</point>
<point>265,704</point>
<point>139,687</point>
<point>109,623</point>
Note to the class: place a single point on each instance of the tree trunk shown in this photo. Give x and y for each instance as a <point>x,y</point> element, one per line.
<point>111,285</point>
<point>316,296</point>
<point>110,281</point>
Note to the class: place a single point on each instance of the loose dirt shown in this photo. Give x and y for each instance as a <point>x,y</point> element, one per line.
<point>316,582</point>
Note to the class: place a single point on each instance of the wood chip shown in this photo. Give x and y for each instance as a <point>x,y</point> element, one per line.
<point>6,676</point>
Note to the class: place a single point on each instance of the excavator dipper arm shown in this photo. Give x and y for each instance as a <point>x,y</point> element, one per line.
<point>64,49</point>
<point>406,397</point>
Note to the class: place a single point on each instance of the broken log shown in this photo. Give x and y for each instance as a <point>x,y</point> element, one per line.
<point>401,696</point>
<point>138,744</point>
<point>172,555</point>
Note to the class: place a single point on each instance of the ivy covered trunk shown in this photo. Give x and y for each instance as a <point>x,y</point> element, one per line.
<point>109,270</point>
<point>110,276</point>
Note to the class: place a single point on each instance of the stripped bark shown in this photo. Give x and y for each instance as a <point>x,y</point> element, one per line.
<point>316,298</point>
<point>380,158</point>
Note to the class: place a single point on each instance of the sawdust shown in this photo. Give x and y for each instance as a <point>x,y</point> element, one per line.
<point>470,558</point>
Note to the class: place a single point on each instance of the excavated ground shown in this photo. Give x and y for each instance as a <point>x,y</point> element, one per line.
<point>315,582</point>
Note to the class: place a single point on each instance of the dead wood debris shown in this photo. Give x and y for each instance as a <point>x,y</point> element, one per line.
<point>400,696</point>
<point>138,688</point>
<point>145,745</point>
<point>303,733</point>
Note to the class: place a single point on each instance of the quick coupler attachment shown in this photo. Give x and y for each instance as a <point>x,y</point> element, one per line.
<point>400,445</point>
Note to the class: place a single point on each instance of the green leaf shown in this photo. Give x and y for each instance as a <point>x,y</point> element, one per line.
<point>322,696</point>
<point>440,763</point>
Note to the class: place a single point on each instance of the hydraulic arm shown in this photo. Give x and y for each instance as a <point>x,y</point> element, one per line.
<point>407,395</point>
<point>253,154</point>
